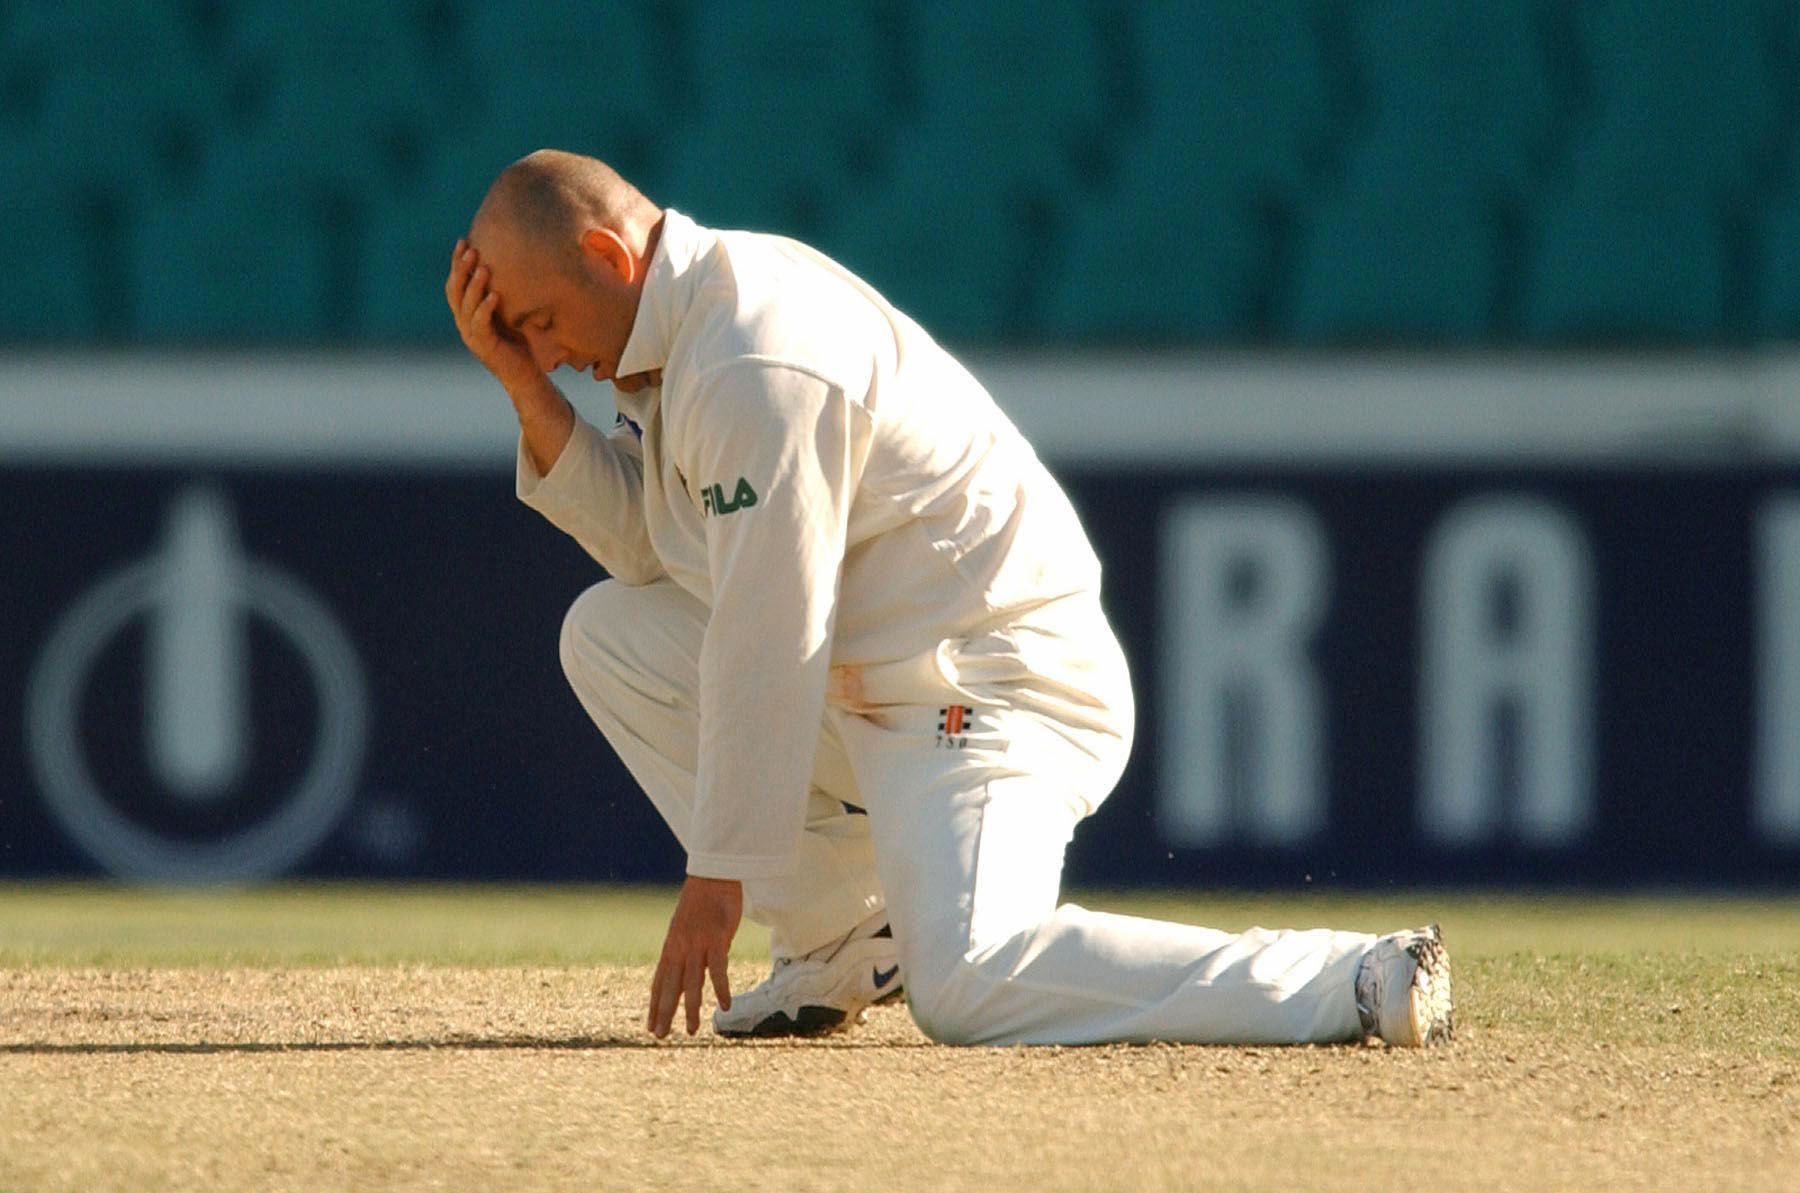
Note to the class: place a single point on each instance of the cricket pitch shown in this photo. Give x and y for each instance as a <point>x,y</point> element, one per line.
<point>481,1039</point>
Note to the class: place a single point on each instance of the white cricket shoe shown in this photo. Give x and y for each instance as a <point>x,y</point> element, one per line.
<point>1403,989</point>
<point>820,992</point>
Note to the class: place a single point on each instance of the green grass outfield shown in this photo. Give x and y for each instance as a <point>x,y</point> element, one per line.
<point>58,924</point>
<point>1612,968</point>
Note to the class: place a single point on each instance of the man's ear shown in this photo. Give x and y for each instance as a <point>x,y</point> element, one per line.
<point>604,246</point>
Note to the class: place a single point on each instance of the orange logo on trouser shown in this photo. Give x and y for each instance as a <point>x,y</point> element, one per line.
<point>952,722</point>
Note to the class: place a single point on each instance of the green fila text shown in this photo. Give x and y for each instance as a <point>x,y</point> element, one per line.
<point>713,499</point>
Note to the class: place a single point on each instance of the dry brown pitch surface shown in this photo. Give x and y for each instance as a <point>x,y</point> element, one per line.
<point>486,1040</point>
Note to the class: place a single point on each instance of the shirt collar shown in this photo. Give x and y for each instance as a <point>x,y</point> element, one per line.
<point>668,292</point>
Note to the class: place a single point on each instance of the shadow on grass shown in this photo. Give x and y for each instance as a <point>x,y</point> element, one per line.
<point>449,1044</point>
<point>440,1044</point>
<point>610,1043</point>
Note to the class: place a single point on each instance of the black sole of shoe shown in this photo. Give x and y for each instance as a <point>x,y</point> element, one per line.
<point>806,1022</point>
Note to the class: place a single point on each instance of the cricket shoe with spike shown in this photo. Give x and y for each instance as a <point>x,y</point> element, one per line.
<point>1403,989</point>
<point>821,992</point>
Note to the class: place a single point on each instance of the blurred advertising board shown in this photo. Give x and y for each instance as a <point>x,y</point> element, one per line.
<point>1392,621</point>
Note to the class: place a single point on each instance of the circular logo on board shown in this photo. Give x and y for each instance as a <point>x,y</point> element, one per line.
<point>202,806</point>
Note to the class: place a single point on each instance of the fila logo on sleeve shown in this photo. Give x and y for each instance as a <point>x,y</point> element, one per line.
<point>714,502</point>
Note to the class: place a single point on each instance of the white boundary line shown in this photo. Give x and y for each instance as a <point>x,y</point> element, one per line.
<point>369,409</point>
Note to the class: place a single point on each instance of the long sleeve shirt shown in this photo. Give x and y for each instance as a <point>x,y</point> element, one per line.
<point>863,522</point>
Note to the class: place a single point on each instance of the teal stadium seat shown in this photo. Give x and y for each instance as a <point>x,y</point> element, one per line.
<point>569,74</point>
<point>1629,242</point>
<point>247,257</point>
<point>1684,99</point>
<point>50,258</point>
<point>120,105</point>
<point>117,35</point>
<point>1368,274</point>
<point>333,95</point>
<point>325,106</point>
<point>1236,96</point>
<point>598,101</point>
<point>1150,261</point>
<point>962,276</point>
<point>1778,271</point>
<point>1775,242</point>
<point>955,230</point>
<point>790,99</point>
<point>1460,114</point>
<point>406,251</point>
<point>1599,271</point>
<point>1459,102</point>
<point>1315,171</point>
<point>1022,84</point>
<point>1182,244</point>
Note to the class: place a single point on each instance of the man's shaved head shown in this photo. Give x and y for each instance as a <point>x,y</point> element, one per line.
<point>561,246</point>
<point>551,196</point>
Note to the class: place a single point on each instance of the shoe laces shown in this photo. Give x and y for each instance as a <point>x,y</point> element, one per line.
<point>831,948</point>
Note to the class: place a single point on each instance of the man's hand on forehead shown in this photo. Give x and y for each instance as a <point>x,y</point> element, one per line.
<point>475,306</point>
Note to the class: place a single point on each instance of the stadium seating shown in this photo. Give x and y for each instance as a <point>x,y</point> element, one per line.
<point>399,273</point>
<point>1182,245</point>
<point>1599,272</point>
<point>1456,107</point>
<point>126,32</point>
<point>954,230</point>
<point>596,90</point>
<point>1456,119</point>
<point>959,272</point>
<point>1778,272</point>
<point>1629,240</point>
<point>594,80</point>
<point>248,256</point>
<point>130,112</point>
<point>1156,171</point>
<point>1683,99</point>
<point>334,94</point>
<point>52,264</point>
<point>1151,263</point>
<point>1236,97</point>
<point>770,80</point>
<point>1401,273</point>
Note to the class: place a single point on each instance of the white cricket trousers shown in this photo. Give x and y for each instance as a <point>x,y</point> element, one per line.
<point>963,840</point>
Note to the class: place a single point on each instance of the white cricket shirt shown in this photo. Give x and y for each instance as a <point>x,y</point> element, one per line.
<point>862,520</point>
